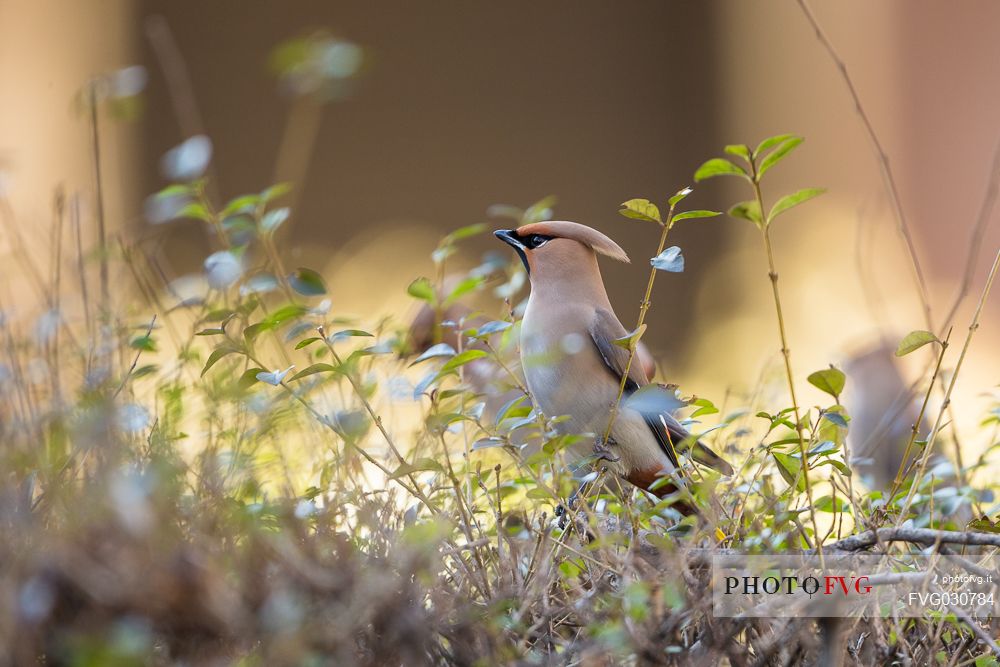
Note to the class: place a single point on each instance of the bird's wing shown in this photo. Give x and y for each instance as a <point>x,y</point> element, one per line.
<point>604,330</point>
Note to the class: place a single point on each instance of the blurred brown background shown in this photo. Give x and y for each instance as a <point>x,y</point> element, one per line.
<point>465,105</point>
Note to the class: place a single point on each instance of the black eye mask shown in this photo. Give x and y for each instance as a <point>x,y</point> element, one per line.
<point>521,243</point>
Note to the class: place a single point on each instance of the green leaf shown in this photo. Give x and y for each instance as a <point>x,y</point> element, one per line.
<point>217,354</point>
<point>194,210</point>
<point>681,194</point>
<point>914,341</point>
<point>307,282</point>
<point>466,232</point>
<point>211,332</point>
<point>352,333</point>
<point>739,150</point>
<point>144,343</point>
<point>251,333</point>
<point>778,154</point>
<point>421,289</point>
<point>490,328</point>
<point>306,342</point>
<point>690,215</point>
<point>312,370</point>
<point>462,359</point>
<point>670,260</point>
<point>788,201</point>
<point>829,504</point>
<point>249,378</point>
<point>835,418</point>
<point>631,339</point>
<point>641,209</point>
<point>463,288</point>
<point>275,191</point>
<point>242,204</point>
<point>419,465</point>
<point>718,167</point>
<point>831,380</point>
<point>705,407</point>
<point>439,350</point>
<point>771,142</point>
<point>825,447</point>
<point>789,467</point>
<point>748,210</point>
<point>287,312</point>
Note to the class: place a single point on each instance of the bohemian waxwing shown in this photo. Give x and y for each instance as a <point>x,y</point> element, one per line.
<point>572,366</point>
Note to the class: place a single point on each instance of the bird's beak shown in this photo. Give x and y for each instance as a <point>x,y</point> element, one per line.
<point>509,236</point>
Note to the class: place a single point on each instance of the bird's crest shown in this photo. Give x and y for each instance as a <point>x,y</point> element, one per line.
<point>588,236</point>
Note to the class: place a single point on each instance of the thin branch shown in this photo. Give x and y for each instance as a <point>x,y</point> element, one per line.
<point>883,159</point>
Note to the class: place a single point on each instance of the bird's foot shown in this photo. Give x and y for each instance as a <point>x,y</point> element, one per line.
<point>602,451</point>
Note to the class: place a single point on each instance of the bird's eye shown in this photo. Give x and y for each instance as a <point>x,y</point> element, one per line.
<point>537,240</point>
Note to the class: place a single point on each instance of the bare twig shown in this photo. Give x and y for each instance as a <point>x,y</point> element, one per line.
<point>883,159</point>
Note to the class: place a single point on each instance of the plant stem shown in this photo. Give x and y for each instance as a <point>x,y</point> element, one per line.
<point>929,447</point>
<point>772,273</point>
<point>643,309</point>
<point>915,428</point>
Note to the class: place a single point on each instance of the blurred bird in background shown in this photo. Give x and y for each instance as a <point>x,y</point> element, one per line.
<point>884,409</point>
<point>573,367</point>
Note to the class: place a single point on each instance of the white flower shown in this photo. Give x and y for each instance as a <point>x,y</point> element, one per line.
<point>274,377</point>
<point>189,160</point>
<point>133,418</point>
<point>222,269</point>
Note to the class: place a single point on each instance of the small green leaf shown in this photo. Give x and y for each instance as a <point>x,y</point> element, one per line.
<point>463,288</point>
<point>419,465</point>
<point>462,359</point>
<point>790,467</point>
<point>307,342</point>
<point>718,167</point>
<point>251,333</point>
<point>836,418</point>
<point>739,150</point>
<point>275,191</point>
<point>914,341</point>
<point>307,282</point>
<point>211,332</point>
<point>194,210</point>
<point>788,201</point>
<point>287,312</point>
<point>490,328</point>
<point>249,378</point>
<point>670,260</point>
<point>242,204</point>
<point>825,447</point>
<point>748,210</point>
<point>352,333</point>
<point>830,504</point>
<point>217,354</point>
<point>631,339</point>
<point>144,343</point>
<point>439,350</point>
<point>467,231</point>
<point>690,215</point>
<point>778,154</point>
<point>681,194</point>
<point>831,380</point>
<point>421,289</point>
<point>770,143</point>
<point>641,209</point>
<point>705,407</point>
<point>312,370</point>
